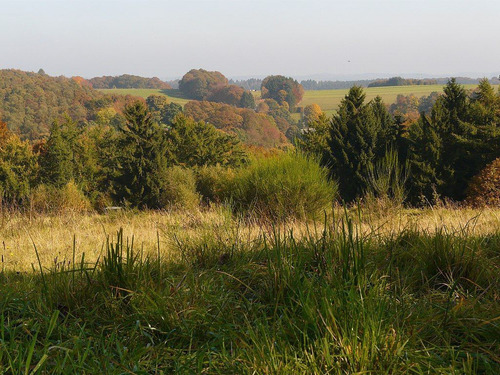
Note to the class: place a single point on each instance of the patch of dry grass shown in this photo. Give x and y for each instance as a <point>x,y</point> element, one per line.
<point>53,235</point>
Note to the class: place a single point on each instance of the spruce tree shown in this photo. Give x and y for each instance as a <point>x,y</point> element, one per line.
<point>143,160</point>
<point>424,160</point>
<point>56,160</point>
<point>387,128</point>
<point>352,144</point>
<point>247,100</point>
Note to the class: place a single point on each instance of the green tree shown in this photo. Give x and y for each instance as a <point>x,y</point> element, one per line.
<point>314,139</point>
<point>143,160</point>
<point>199,83</point>
<point>425,160</point>
<point>169,112</point>
<point>247,100</point>
<point>195,143</point>
<point>352,144</point>
<point>464,132</point>
<point>155,104</point>
<point>282,89</point>
<point>57,159</point>
<point>18,168</point>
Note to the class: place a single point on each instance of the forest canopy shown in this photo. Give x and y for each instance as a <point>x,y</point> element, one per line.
<point>127,81</point>
<point>30,102</point>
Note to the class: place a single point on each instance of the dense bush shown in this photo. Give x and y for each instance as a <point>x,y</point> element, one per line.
<point>484,189</point>
<point>290,185</point>
<point>179,189</point>
<point>52,199</point>
<point>214,183</point>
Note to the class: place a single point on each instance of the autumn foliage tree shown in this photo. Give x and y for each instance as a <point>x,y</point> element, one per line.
<point>249,126</point>
<point>484,188</point>
<point>199,83</point>
<point>282,89</point>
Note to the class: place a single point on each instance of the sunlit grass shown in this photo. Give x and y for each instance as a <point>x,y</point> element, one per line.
<point>363,291</point>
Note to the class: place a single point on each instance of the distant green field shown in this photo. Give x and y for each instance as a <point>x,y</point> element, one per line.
<point>328,100</point>
<point>174,95</point>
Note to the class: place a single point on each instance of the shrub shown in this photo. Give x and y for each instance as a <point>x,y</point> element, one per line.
<point>484,189</point>
<point>214,183</point>
<point>179,189</point>
<point>291,185</point>
<point>48,198</point>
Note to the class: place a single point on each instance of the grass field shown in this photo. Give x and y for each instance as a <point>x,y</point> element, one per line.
<point>328,100</point>
<point>202,292</point>
<point>174,96</point>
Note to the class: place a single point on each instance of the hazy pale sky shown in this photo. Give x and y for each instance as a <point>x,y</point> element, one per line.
<point>250,38</point>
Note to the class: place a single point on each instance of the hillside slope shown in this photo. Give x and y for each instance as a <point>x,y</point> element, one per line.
<point>30,102</point>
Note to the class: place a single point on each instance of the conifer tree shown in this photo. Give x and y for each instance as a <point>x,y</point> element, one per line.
<point>247,100</point>
<point>56,160</point>
<point>143,160</point>
<point>425,160</point>
<point>387,128</point>
<point>352,144</point>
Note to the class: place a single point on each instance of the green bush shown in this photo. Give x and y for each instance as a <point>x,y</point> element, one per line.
<point>290,185</point>
<point>214,183</point>
<point>179,188</point>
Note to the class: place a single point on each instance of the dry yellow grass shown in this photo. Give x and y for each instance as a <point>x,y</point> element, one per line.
<point>53,235</point>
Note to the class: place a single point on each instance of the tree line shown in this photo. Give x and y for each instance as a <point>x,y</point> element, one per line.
<point>148,154</point>
<point>366,148</point>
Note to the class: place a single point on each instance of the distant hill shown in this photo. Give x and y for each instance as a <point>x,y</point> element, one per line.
<point>127,81</point>
<point>30,102</point>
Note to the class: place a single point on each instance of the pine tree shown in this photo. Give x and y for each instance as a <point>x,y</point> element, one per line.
<point>143,161</point>
<point>424,159</point>
<point>352,144</point>
<point>461,147</point>
<point>387,128</point>
<point>247,100</point>
<point>56,160</point>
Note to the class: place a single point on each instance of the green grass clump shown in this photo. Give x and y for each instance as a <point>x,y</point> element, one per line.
<point>338,301</point>
<point>285,186</point>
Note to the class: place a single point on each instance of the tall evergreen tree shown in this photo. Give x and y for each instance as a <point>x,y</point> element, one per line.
<point>463,132</point>
<point>57,158</point>
<point>143,161</point>
<point>425,160</point>
<point>352,145</point>
<point>388,131</point>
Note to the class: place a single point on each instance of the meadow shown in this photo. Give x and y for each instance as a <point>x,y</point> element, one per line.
<point>175,96</point>
<point>328,100</point>
<point>204,291</point>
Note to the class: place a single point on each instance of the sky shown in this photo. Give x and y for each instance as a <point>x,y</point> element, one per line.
<point>243,38</point>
